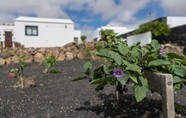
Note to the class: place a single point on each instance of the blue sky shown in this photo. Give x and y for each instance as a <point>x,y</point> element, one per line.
<point>91,14</point>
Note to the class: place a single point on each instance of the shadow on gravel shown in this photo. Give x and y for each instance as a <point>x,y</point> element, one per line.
<point>127,107</point>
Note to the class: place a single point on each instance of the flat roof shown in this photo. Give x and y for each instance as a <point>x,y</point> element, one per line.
<point>46,20</point>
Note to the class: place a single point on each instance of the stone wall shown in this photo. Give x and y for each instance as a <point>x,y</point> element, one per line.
<point>67,52</point>
<point>181,50</point>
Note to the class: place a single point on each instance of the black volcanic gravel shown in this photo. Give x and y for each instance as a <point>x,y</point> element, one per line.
<point>55,96</point>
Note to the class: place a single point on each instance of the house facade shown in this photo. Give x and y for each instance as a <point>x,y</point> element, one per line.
<point>177,36</point>
<point>172,21</point>
<point>118,30</point>
<point>43,32</point>
<point>7,32</point>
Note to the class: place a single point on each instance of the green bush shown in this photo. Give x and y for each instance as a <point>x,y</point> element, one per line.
<point>110,37</point>
<point>83,38</point>
<point>156,28</point>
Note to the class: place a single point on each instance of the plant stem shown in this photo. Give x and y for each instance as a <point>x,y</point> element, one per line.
<point>21,79</point>
<point>117,92</point>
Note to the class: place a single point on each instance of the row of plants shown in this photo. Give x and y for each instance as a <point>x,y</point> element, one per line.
<point>48,62</point>
<point>124,64</point>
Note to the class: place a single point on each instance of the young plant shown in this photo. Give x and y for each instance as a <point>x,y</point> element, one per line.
<point>49,62</point>
<point>99,46</point>
<point>19,70</point>
<point>87,53</point>
<point>127,64</point>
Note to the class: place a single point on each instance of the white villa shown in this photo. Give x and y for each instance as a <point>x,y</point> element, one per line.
<point>118,30</point>
<point>38,32</point>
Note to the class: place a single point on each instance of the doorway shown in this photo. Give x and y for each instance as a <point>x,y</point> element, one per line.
<point>8,39</point>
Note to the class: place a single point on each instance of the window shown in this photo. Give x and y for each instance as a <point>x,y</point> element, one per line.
<point>75,39</point>
<point>31,30</point>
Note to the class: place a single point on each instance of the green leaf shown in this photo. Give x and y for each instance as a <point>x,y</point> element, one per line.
<point>178,107</point>
<point>140,92</point>
<point>103,53</point>
<point>158,62</point>
<point>172,55</point>
<point>133,77</point>
<point>179,70</point>
<point>79,78</point>
<point>155,44</point>
<point>55,71</point>
<point>100,86</point>
<point>116,57</point>
<point>177,79</point>
<point>135,53</point>
<point>106,69</point>
<point>125,62</point>
<point>133,67</point>
<point>178,86</point>
<point>123,48</point>
<point>184,60</point>
<point>101,80</point>
<point>123,80</point>
<point>87,65</point>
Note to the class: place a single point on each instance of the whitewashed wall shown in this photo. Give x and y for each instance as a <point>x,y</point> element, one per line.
<point>176,21</point>
<point>4,28</point>
<point>144,38</point>
<point>118,30</point>
<point>49,34</point>
<point>9,28</point>
<point>77,33</point>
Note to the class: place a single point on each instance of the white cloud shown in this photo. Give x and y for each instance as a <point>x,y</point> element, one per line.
<point>174,7</point>
<point>46,10</point>
<point>120,14</point>
<point>7,18</point>
<point>117,14</point>
<point>106,8</point>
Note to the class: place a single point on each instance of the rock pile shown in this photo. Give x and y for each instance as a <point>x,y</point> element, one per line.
<point>180,50</point>
<point>68,52</point>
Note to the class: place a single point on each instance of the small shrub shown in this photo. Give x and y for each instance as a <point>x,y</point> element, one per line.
<point>19,70</point>
<point>83,38</point>
<point>157,28</point>
<point>87,53</point>
<point>99,46</point>
<point>48,62</point>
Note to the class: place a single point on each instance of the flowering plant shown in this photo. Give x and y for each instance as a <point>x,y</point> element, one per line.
<point>126,64</point>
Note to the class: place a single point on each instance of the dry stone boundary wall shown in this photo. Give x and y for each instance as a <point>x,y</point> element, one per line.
<point>68,52</point>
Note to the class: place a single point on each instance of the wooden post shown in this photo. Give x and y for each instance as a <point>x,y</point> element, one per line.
<point>163,84</point>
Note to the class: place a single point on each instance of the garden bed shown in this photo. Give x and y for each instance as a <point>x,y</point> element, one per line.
<point>55,96</point>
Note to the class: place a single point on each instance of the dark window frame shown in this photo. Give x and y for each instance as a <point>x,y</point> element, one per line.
<point>76,39</point>
<point>31,26</point>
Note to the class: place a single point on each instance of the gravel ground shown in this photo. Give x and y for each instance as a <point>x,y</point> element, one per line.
<point>55,96</point>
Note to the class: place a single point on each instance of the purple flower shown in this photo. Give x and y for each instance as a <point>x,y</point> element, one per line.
<point>118,73</point>
<point>162,51</point>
